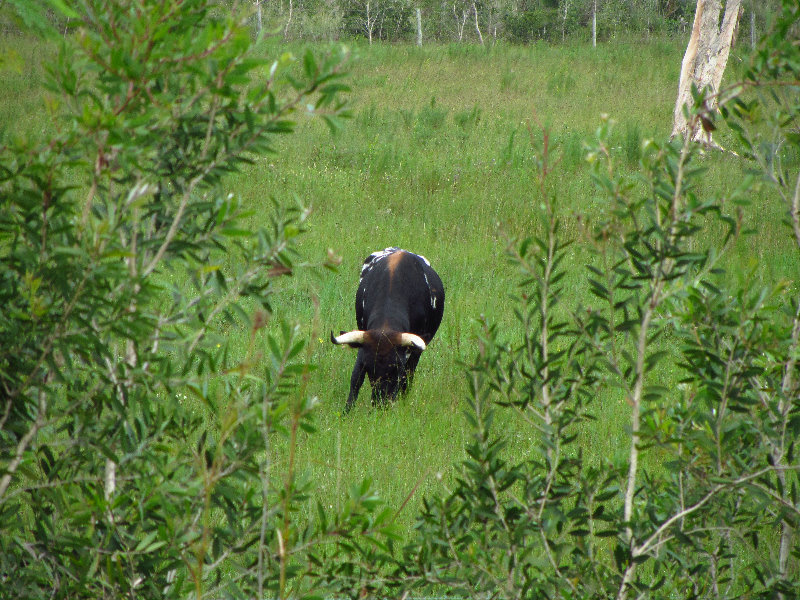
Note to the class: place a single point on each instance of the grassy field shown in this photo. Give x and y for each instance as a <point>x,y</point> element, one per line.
<point>437,160</point>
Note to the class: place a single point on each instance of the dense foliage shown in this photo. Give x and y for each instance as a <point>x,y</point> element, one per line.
<point>142,453</point>
<point>135,443</point>
<point>706,502</point>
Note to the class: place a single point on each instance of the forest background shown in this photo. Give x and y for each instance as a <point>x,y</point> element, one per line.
<point>479,21</point>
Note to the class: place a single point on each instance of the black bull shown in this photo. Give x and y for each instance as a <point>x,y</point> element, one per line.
<point>399,306</point>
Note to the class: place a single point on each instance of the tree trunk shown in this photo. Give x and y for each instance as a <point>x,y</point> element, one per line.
<point>477,27</point>
<point>258,13</point>
<point>752,25</point>
<point>704,62</point>
<point>594,24</point>
<point>370,25</point>
<point>419,27</point>
<point>288,21</point>
<point>460,25</point>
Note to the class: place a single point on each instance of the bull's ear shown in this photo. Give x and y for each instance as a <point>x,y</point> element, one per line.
<point>354,339</point>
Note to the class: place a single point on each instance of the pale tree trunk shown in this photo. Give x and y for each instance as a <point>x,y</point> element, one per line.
<point>258,14</point>
<point>419,27</point>
<point>371,20</point>
<point>460,25</point>
<point>704,62</point>
<point>131,357</point>
<point>288,21</point>
<point>752,24</point>
<point>477,27</point>
<point>564,21</point>
<point>594,24</point>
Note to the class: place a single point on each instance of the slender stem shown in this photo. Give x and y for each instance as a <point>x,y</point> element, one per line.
<point>788,391</point>
<point>656,296</point>
<point>23,444</point>
<point>653,539</point>
<point>265,487</point>
<point>284,533</point>
<point>794,211</point>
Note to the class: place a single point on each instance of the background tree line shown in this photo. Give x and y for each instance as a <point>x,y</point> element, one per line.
<point>445,21</point>
<point>484,21</point>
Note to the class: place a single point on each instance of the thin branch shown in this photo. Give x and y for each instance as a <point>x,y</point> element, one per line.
<point>173,229</point>
<point>794,211</point>
<point>23,444</point>
<point>652,541</point>
<point>656,296</point>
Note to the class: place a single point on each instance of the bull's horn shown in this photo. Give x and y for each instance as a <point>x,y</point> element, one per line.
<point>409,339</point>
<point>351,337</point>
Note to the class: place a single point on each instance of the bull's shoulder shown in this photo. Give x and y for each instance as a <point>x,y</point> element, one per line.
<point>374,258</point>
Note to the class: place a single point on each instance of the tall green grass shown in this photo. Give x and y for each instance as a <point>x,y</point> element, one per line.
<point>437,159</point>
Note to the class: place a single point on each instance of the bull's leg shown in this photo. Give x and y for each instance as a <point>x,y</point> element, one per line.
<point>378,399</point>
<point>356,380</point>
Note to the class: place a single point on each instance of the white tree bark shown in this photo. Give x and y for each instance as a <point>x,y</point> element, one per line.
<point>258,14</point>
<point>288,21</point>
<point>594,24</point>
<point>477,27</point>
<point>564,21</point>
<point>460,24</point>
<point>419,27</point>
<point>372,18</point>
<point>704,62</point>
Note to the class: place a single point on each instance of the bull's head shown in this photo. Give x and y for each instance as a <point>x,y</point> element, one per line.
<point>388,358</point>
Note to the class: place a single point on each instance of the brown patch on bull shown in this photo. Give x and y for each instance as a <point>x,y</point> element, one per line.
<point>391,264</point>
<point>384,340</point>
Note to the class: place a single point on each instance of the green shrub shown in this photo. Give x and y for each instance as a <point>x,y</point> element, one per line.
<point>137,440</point>
<point>704,503</point>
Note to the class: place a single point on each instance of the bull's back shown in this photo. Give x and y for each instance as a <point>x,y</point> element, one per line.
<point>399,290</point>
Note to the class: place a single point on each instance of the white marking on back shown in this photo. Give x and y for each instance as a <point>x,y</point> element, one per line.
<point>374,258</point>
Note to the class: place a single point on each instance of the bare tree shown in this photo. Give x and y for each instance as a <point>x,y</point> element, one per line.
<point>460,22</point>
<point>259,15</point>
<point>495,10</point>
<point>371,14</point>
<point>288,20</point>
<point>704,62</point>
<point>477,27</point>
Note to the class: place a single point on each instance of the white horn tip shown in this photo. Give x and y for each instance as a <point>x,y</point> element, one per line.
<point>410,339</point>
<point>351,337</point>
